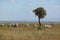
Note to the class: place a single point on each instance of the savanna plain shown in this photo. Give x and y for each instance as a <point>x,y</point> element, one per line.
<point>29,33</point>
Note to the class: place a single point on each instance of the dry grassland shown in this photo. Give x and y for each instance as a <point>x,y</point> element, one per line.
<point>22,33</point>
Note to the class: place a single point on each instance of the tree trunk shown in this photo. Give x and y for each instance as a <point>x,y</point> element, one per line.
<point>39,23</point>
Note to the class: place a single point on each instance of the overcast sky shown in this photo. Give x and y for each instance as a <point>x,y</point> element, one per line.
<point>21,10</point>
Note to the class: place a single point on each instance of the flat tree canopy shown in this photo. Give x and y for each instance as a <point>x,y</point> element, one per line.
<point>40,12</point>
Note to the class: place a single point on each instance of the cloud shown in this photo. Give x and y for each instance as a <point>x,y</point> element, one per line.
<point>57,6</point>
<point>12,1</point>
<point>43,0</point>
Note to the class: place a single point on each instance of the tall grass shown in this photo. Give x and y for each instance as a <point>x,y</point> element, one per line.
<point>22,33</point>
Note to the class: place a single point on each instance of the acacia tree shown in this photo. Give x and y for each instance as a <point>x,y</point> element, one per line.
<point>41,13</point>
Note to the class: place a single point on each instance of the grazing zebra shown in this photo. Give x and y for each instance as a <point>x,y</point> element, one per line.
<point>1,25</point>
<point>35,25</point>
<point>27,25</point>
<point>17,25</point>
<point>48,26</point>
<point>13,25</point>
